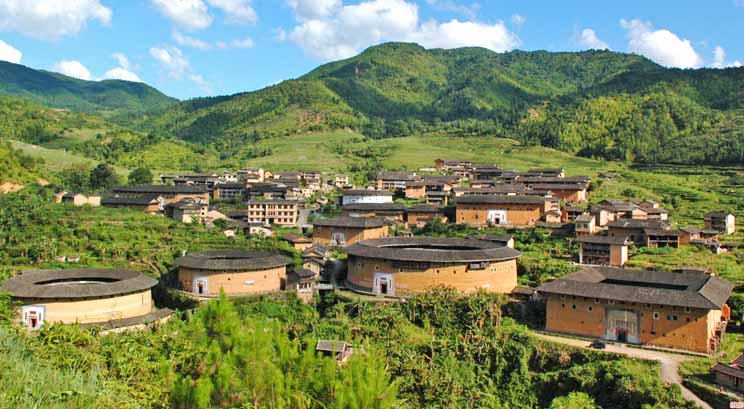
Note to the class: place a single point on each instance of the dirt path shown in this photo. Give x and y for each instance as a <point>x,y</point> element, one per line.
<point>669,362</point>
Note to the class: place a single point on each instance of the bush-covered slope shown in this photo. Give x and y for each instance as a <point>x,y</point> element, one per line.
<point>593,103</point>
<point>113,97</point>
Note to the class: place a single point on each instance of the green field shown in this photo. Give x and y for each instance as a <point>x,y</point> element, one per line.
<point>56,160</point>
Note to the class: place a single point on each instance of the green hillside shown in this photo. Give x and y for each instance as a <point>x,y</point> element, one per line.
<point>63,138</point>
<point>112,97</point>
<point>594,103</point>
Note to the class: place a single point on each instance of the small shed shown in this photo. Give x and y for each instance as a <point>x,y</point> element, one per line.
<point>340,350</point>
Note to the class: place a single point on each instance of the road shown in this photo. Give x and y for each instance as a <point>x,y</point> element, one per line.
<point>669,362</point>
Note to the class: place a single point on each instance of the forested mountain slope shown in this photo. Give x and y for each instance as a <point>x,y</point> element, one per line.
<point>593,103</point>
<point>112,97</point>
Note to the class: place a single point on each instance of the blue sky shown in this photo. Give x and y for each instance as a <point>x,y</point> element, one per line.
<point>189,48</point>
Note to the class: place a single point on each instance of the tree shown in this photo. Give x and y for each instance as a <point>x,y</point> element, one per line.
<point>140,176</point>
<point>103,176</point>
<point>574,400</point>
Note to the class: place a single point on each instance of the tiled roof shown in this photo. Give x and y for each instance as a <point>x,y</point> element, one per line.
<point>77,283</point>
<point>644,286</point>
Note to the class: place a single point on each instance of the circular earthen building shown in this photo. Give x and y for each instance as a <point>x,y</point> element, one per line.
<point>237,272</point>
<point>405,266</point>
<point>85,296</point>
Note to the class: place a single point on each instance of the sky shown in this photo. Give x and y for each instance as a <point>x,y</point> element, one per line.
<point>195,48</point>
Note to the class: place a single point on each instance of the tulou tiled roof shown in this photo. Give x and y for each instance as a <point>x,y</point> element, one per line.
<point>353,222</point>
<point>691,290</point>
<point>432,249</point>
<point>77,283</point>
<point>232,260</point>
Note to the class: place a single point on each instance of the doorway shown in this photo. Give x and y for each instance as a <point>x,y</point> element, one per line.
<point>201,285</point>
<point>33,316</point>
<point>383,284</point>
<point>622,334</point>
<point>497,217</point>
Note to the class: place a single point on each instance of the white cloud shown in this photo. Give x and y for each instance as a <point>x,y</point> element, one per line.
<point>244,43</point>
<point>236,11</point>
<point>194,14</point>
<point>661,46</point>
<point>589,39</point>
<point>73,69</point>
<point>455,34</point>
<point>189,14</point>
<point>719,59</point>
<point>518,20</point>
<point>188,41</point>
<point>120,73</point>
<point>310,9</point>
<point>353,27</point>
<point>122,60</point>
<point>10,53</point>
<point>172,59</point>
<point>50,19</point>
<point>177,66</point>
<point>201,83</point>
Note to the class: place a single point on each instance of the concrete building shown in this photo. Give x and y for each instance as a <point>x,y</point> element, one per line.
<point>390,211</point>
<point>187,211</point>
<point>366,196</point>
<point>397,267</point>
<point>395,180</point>
<point>107,297</point>
<point>603,250</point>
<point>674,310</point>
<point>236,272</point>
<point>635,229</point>
<point>722,222</point>
<point>345,231</point>
<point>276,211</point>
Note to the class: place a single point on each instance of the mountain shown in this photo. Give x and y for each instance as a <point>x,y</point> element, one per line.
<point>109,97</point>
<point>593,103</point>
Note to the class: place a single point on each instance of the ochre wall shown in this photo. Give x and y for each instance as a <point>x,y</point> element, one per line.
<point>324,235</point>
<point>692,330</point>
<point>500,277</point>
<point>233,282</point>
<point>95,310</point>
<point>423,218</point>
<point>516,214</point>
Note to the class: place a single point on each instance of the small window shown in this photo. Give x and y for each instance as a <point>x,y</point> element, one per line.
<point>563,297</point>
<point>688,319</point>
<point>589,308</point>
<point>573,307</point>
<point>611,302</point>
<point>656,315</point>
<point>563,305</point>
<point>596,300</point>
<point>687,309</point>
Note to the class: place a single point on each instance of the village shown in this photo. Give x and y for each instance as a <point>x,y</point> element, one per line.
<point>369,241</point>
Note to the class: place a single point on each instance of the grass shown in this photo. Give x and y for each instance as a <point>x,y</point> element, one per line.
<point>29,383</point>
<point>727,265</point>
<point>54,159</point>
<point>733,345</point>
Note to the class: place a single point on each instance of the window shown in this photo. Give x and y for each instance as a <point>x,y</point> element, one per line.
<point>563,297</point>
<point>672,317</point>
<point>573,307</point>
<point>687,309</point>
<point>596,300</point>
<point>589,308</point>
<point>655,315</point>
